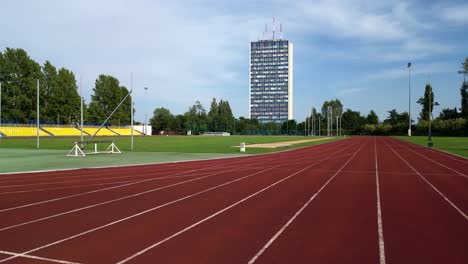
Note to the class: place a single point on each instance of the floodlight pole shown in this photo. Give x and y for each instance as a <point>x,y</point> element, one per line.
<point>37,109</point>
<point>409,98</point>
<point>430,119</point>
<point>146,122</point>
<point>81,110</point>
<point>320,133</point>
<point>131,112</point>
<point>0,110</point>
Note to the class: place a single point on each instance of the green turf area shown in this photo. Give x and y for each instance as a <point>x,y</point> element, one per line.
<point>19,160</point>
<point>185,144</point>
<point>456,145</point>
<point>21,154</point>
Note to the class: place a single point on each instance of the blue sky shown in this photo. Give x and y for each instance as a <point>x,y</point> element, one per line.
<point>185,51</point>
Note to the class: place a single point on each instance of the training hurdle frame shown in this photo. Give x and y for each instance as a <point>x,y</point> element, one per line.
<point>77,151</point>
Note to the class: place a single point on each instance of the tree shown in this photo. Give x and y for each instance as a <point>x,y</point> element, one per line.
<point>213,116</point>
<point>196,118</point>
<point>107,95</point>
<point>336,105</point>
<point>372,118</point>
<point>18,74</point>
<point>427,102</point>
<point>352,121</point>
<point>464,99</point>
<point>226,117</point>
<point>64,100</point>
<point>162,119</point>
<point>49,83</point>
<point>447,114</point>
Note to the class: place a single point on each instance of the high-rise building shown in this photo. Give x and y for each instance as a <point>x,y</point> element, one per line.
<point>271,80</point>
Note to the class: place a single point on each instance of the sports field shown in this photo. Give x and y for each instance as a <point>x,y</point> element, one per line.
<point>358,200</point>
<point>455,145</point>
<point>18,155</point>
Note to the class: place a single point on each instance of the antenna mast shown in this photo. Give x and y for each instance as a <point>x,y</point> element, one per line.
<point>273,28</point>
<point>281,30</point>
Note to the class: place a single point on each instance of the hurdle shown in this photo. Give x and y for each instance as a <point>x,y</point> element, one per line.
<point>77,151</point>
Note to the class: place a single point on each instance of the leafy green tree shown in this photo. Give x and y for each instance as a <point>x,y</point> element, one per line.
<point>49,83</point>
<point>18,74</point>
<point>64,100</point>
<point>213,116</point>
<point>464,99</point>
<point>196,118</point>
<point>336,105</point>
<point>289,127</point>
<point>352,122</point>
<point>226,118</point>
<point>372,118</point>
<point>107,95</point>
<point>427,101</point>
<point>162,119</point>
<point>447,114</point>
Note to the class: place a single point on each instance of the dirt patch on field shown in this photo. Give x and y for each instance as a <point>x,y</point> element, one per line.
<point>285,143</point>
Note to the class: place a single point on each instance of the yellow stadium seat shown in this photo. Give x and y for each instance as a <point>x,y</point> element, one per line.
<point>20,131</point>
<point>63,131</point>
<point>103,132</point>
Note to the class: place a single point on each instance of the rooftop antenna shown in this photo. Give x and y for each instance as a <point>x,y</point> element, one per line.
<point>265,33</point>
<point>273,28</point>
<point>281,30</point>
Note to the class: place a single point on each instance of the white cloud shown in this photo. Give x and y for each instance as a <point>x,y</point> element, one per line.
<point>188,51</point>
<point>455,13</point>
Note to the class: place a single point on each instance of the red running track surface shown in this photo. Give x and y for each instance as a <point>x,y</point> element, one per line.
<point>359,200</point>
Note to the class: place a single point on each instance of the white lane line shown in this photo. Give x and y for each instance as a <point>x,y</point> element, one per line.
<point>94,191</point>
<point>19,255</point>
<point>62,188</point>
<point>137,214</point>
<point>379,209</point>
<point>221,211</point>
<point>430,184</point>
<point>438,163</point>
<point>78,181</point>
<point>99,190</point>
<point>106,202</point>
<point>268,244</point>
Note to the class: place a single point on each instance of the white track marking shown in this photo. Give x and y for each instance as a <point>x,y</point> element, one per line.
<point>62,188</point>
<point>113,187</point>
<point>152,209</point>
<point>219,212</point>
<point>89,192</point>
<point>111,201</point>
<point>438,163</point>
<point>137,214</point>
<point>18,255</point>
<point>99,190</point>
<point>430,184</point>
<point>379,209</point>
<point>106,202</point>
<point>267,245</point>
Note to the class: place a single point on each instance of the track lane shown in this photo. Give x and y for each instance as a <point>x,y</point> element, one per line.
<point>223,195</point>
<point>338,226</point>
<point>449,183</point>
<point>420,226</point>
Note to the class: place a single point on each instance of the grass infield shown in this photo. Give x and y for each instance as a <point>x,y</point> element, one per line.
<point>455,145</point>
<point>17,155</point>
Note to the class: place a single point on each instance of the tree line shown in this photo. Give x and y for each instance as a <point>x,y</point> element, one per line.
<point>58,91</point>
<point>60,104</point>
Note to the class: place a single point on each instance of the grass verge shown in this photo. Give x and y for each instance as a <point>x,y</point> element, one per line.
<point>455,145</point>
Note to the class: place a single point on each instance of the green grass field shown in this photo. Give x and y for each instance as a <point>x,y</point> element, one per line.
<point>21,154</point>
<point>185,144</point>
<point>456,145</point>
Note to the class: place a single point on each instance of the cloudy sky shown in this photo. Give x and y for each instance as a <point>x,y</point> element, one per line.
<point>183,51</point>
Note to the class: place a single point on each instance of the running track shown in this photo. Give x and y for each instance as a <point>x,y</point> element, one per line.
<point>359,200</point>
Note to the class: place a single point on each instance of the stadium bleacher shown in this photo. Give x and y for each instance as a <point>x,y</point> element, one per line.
<point>63,131</point>
<point>103,132</point>
<point>125,131</point>
<point>21,131</point>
